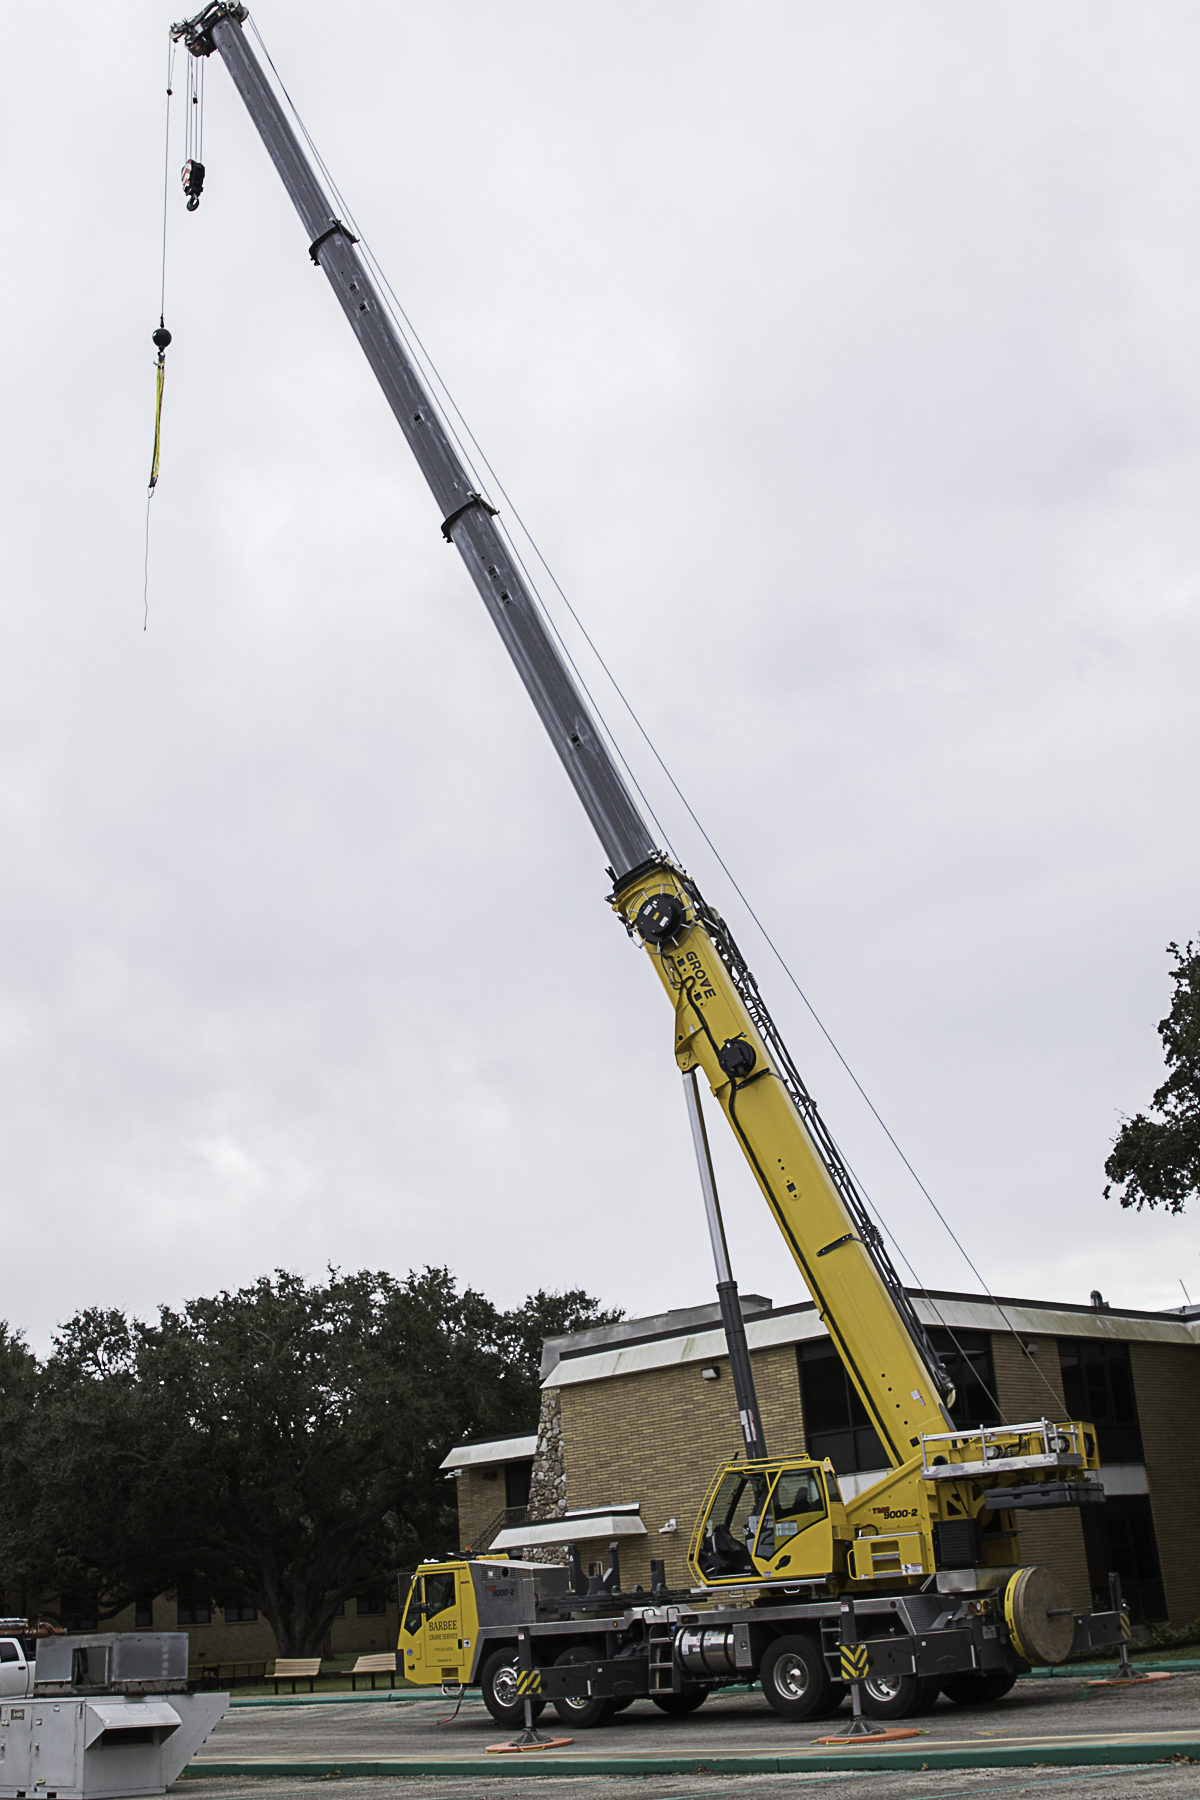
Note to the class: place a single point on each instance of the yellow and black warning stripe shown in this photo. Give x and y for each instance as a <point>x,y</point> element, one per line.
<point>529,1681</point>
<point>854,1662</point>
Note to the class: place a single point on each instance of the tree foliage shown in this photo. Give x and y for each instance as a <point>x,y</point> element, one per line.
<point>278,1446</point>
<point>1156,1161</point>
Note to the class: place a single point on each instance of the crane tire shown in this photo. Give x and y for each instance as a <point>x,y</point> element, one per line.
<point>587,1710</point>
<point>498,1684</point>
<point>679,1705</point>
<point>895,1696</point>
<point>795,1681</point>
<point>978,1688</point>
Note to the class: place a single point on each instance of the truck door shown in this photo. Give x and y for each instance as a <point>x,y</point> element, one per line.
<point>795,1536</point>
<point>434,1627</point>
<point>14,1670</point>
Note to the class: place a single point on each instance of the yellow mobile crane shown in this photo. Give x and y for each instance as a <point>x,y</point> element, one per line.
<point>930,1553</point>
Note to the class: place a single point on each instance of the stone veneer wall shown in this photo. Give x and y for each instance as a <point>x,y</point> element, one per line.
<point>548,1484</point>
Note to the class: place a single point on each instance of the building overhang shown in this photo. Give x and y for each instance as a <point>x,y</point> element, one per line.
<point>573,1528</point>
<point>489,1455</point>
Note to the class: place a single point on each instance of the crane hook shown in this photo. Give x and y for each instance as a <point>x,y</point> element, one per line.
<point>192,175</point>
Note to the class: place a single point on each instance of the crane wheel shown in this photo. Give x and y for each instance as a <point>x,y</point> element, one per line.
<point>795,1681</point>
<point>976,1688</point>
<point>585,1710</point>
<point>678,1705</point>
<point>498,1684</point>
<point>897,1696</point>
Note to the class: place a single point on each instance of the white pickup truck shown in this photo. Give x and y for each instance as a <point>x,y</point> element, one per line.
<point>18,1667</point>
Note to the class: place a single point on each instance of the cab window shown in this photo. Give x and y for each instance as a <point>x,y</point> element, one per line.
<point>439,1593</point>
<point>413,1616</point>
<point>797,1502</point>
<point>733,1525</point>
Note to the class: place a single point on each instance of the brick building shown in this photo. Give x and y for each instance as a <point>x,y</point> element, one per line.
<point>635,1418</point>
<point>236,1634</point>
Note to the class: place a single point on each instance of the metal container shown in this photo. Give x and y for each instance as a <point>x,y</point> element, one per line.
<point>129,1662</point>
<point>714,1650</point>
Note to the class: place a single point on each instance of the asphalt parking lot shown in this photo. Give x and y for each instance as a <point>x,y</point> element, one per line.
<point>1040,1720</point>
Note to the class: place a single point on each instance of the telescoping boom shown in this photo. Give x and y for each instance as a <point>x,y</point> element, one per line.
<point>949,1496</point>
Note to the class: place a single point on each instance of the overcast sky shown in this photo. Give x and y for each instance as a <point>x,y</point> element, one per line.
<point>845,362</point>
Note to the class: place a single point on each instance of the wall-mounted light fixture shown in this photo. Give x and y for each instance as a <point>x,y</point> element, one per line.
<point>671,1525</point>
<point>711,1374</point>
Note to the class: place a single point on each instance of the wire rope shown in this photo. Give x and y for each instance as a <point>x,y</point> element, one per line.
<point>429,368</point>
<point>162,310</point>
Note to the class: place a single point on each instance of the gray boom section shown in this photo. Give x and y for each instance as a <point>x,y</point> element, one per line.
<point>468,523</point>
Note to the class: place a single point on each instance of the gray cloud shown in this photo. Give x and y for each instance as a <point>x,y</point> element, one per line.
<point>845,364</point>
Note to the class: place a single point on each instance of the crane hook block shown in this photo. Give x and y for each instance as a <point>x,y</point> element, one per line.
<point>193,182</point>
<point>661,919</point>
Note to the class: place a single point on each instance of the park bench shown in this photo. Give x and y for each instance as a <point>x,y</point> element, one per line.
<point>383,1664</point>
<point>294,1669</point>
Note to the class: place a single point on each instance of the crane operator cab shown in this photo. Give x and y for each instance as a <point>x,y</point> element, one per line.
<point>766,1519</point>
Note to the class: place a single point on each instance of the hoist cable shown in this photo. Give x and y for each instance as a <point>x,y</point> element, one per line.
<point>162,298</point>
<point>162,338</point>
<point>426,362</point>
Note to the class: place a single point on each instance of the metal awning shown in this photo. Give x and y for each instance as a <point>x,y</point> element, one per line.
<point>575,1528</point>
<point>490,1454</point>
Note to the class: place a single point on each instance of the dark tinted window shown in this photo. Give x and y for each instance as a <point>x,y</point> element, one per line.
<point>517,1476</point>
<point>967,1359</point>
<point>371,1603</point>
<point>1098,1386</point>
<point>240,1615</point>
<point>835,1419</point>
<point>9,1651</point>
<point>1119,1537</point>
<point>193,1609</point>
<point>143,1614</point>
<point>439,1593</point>
<point>79,1613</point>
<point>413,1614</point>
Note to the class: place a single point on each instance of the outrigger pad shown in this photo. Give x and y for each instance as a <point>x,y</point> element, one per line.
<point>535,1743</point>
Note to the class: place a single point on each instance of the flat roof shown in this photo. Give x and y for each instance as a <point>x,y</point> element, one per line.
<point>628,1349</point>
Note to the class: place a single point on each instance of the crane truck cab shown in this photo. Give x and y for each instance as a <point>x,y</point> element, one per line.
<point>767,1519</point>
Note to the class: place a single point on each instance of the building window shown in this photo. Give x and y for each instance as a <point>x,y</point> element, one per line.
<point>1119,1537</point>
<point>192,1609</point>
<point>967,1359</point>
<point>371,1603</point>
<point>79,1612</point>
<point>143,1614</point>
<point>517,1477</point>
<point>240,1615</point>
<point>835,1419</point>
<point>1098,1387</point>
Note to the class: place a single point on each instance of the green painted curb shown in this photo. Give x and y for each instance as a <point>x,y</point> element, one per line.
<point>346,1699</point>
<point>1181,1665</point>
<point>923,1756</point>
